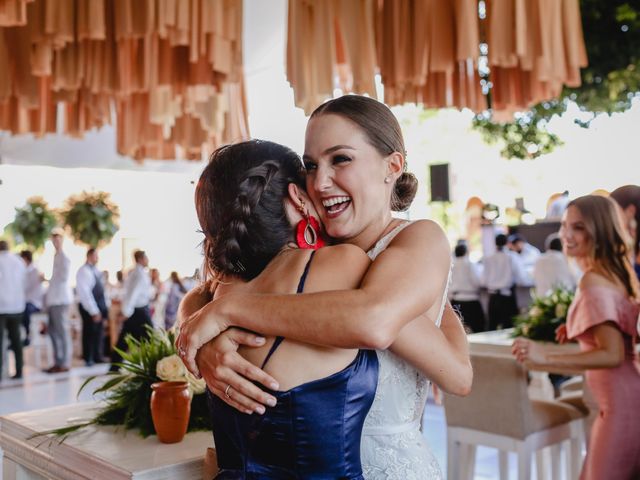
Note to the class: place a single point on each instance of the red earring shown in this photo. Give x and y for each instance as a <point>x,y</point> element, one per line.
<point>307,235</point>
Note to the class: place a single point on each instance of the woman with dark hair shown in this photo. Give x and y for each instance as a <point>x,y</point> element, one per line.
<point>249,200</point>
<point>602,318</point>
<point>356,174</point>
<point>628,197</point>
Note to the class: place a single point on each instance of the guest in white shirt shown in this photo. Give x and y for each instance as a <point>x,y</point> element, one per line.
<point>527,253</point>
<point>502,272</point>
<point>464,291</point>
<point>551,269</point>
<point>58,299</point>
<point>13,277</point>
<point>93,308</point>
<point>135,305</point>
<point>34,293</point>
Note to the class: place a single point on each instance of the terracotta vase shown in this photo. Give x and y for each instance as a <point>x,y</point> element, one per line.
<point>170,410</point>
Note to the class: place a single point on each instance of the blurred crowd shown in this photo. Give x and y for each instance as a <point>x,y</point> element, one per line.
<point>490,292</point>
<point>100,311</point>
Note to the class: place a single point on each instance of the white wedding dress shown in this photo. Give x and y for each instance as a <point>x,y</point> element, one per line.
<point>393,446</point>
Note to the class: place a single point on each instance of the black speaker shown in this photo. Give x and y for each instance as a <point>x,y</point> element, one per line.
<point>439,175</point>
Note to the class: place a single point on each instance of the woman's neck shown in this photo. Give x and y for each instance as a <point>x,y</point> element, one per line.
<point>374,232</point>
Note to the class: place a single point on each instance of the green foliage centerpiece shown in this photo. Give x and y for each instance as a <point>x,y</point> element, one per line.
<point>33,223</point>
<point>128,391</point>
<point>544,316</point>
<point>92,218</point>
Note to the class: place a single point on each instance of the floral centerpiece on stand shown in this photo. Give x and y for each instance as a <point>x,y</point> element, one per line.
<point>92,218</point>
<point>127,393</point>
<point>33,223</point>
<point>544,316</point>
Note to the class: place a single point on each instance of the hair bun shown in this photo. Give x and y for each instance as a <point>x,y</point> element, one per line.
<point>404,191</point>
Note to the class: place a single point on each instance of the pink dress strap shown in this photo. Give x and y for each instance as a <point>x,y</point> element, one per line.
<point>597,304</point>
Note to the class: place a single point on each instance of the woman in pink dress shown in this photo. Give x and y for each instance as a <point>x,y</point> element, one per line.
<point>603,319</point>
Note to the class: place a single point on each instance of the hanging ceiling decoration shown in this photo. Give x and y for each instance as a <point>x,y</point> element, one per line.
<point>168,71</point>
<point>434,52</point>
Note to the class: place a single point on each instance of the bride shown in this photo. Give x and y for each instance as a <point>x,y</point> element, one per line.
<point>354,157</point>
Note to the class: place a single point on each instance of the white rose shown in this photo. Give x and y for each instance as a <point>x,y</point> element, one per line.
<point>561,310</point>
<point>171,369</point>
<point>535,312</point>
<point>196,385</point>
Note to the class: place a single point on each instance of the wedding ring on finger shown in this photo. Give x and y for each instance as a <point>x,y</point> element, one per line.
<point>226,391</point>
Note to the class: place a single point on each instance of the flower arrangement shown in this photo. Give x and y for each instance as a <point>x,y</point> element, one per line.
<point>33,223</point>
<point>91,217</point>
<point>127,393</point>
<point>544,316</point>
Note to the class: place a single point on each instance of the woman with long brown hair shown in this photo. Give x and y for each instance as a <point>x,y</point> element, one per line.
<point>602,318</point>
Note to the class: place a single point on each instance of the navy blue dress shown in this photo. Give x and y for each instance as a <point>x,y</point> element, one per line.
<point>312,433</point>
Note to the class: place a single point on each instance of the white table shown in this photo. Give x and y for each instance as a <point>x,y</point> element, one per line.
<point>95,452</point>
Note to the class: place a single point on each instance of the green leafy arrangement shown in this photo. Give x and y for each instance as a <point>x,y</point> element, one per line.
<point>544,316</point>
<point>92,218</point>
<point>610,82</point>
<point>33,223</point>
<point>128,392</point>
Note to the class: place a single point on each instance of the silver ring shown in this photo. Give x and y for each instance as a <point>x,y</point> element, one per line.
<point>226,391</point>
<point>522,350</point>
<point>182,352</point>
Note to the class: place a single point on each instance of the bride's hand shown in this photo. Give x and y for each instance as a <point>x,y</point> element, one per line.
<point>196,330</point>
<point>228,375</point>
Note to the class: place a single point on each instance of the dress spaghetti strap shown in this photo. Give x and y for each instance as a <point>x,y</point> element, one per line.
<point>278,341</point>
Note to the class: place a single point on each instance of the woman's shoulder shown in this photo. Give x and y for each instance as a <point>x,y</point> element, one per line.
<point>595,280</point>
<point>423,233</point>
<point>342,254</point>
<point>339,266</point>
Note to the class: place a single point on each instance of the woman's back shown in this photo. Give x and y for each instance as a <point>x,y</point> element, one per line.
<point>314,430</point>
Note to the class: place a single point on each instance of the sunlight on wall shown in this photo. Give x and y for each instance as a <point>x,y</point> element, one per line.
<point>156,212</point>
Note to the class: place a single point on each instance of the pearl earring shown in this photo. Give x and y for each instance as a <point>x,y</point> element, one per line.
<point>387,179</point>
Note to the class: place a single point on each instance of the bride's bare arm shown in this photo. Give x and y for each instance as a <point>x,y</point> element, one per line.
<point>395,290</point>
<point>441,354</point>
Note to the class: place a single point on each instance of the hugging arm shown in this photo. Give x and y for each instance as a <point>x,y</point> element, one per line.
<point>441,354</point>
<point>393,292</point>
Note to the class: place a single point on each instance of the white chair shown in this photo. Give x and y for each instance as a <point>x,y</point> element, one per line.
<point>498,413</point>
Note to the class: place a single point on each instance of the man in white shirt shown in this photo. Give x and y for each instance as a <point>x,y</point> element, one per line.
<point>13,276</point>
<point>527,253</point>
<point>93,308</point>
<point>502,272</point>
<point>464,291</point>
<point>34,294</point>
<point>59,297</point>
<point>135,305</point>
<point>551,269</point>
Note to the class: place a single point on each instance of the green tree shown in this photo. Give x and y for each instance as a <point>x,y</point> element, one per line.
<point>609,83</point>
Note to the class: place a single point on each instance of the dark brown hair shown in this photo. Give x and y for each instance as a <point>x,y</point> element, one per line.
<point>630,195</point>
<point>610,252</point>
<point>240,205</point>
<point>383,132</point>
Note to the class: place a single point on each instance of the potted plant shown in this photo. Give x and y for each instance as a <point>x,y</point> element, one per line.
<point>92,218</point>
<point>33,223</point>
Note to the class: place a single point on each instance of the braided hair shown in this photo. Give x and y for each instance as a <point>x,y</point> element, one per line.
<point>240,205</point>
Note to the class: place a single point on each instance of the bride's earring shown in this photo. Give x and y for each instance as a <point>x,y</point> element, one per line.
<point>387,179</point>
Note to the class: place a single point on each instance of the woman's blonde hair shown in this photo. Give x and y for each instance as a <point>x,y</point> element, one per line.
<point>610,246</point>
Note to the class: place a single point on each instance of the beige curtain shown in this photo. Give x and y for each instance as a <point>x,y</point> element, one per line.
<point>427,51</point>
<point>169,71</point>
